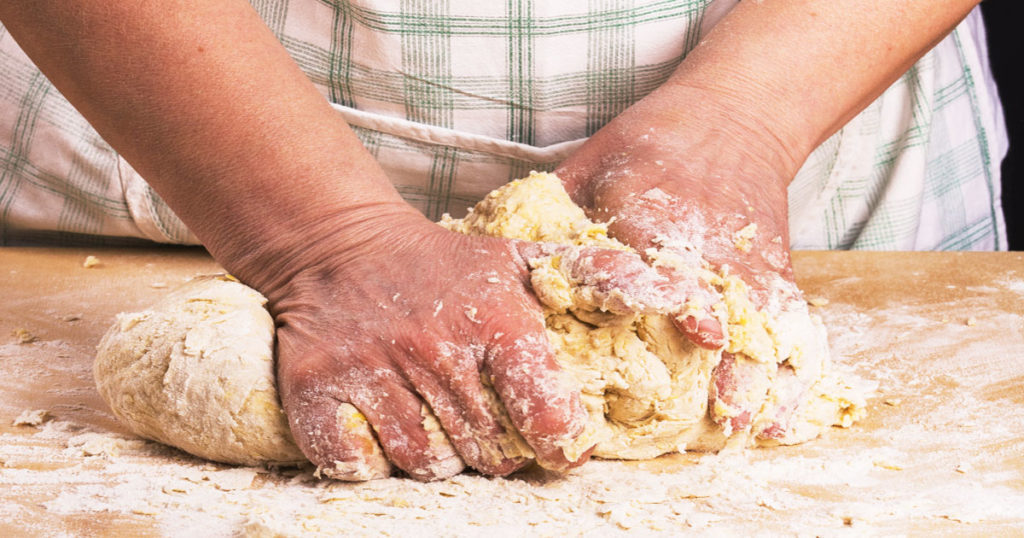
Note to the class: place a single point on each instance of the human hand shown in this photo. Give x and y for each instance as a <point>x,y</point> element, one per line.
<point>696,194</point>
<point>426,349</point>
<point>426,333</point>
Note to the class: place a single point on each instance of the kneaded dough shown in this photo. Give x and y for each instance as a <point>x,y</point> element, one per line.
<point>645,386</point>
<point>196,370</point>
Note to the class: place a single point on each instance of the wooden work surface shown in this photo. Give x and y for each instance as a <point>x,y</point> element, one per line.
<point>941,452</point>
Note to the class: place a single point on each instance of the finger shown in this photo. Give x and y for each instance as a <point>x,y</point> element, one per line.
<point>406,428</point>
<point>622,282</point>
<point>705,332</point>
<point>738,389</point>
<point>614,281</point>
<point>787,393</point>
<point>469,412</point>
<point>542,403</point>
<point>336,437</point>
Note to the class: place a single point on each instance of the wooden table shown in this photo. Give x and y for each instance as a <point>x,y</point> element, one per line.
<point>942,450</point>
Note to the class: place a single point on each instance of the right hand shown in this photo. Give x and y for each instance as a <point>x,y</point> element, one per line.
<point>683,189</point>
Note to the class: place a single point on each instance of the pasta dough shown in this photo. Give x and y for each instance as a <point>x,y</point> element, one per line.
<point>196,370</point>
<point>645,386</point>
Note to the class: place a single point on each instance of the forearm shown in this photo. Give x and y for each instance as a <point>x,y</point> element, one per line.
<point>205,103</point>
<point>803,68</point>
<point>775,78</point>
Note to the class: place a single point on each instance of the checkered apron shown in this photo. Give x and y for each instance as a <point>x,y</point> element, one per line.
<point>456,97</point>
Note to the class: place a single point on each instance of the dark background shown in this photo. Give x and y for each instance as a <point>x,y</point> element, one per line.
<point>1005,26</point>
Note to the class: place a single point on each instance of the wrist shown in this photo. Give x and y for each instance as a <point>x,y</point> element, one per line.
<point>684,132</point>
<point>755,125</point>
<point>269,254</point>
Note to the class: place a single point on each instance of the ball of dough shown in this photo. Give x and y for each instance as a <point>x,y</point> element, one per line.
<point>196,371</point>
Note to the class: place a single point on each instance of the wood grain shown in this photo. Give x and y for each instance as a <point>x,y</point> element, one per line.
<point>941,333</point>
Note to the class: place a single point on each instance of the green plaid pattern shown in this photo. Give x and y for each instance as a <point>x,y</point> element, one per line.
<point>456,97</point>
<point>60,183</point>
<point>918,169</point>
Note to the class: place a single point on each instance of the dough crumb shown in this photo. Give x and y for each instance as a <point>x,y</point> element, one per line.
<point>97,444</point>
<point>971,321</point>
<point>177,487</point>
<point>23,336</point>
<point>744,239</point>
<point>90,262</point>
<point>32,417</point>
<point>817,301</point>
<point>886,464</point>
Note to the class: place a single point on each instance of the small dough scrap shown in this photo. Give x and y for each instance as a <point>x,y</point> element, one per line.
<point>196,371</point>
<point>743,240</point>
<point>32,417</point>
<point>23,336</point>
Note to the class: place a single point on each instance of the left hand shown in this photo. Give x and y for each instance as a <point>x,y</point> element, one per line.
<point>693,193</point>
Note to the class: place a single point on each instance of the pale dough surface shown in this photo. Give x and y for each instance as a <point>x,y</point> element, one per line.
<point>196,370</point>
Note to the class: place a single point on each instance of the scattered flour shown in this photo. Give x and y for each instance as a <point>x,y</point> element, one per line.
<point>916,465</point>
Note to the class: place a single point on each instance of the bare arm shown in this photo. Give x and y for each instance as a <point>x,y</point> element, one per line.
<point>205,103</point>
<point>713,150</point>
<point>209,108</point>
<point>783,75</point>
<point>803,68</point>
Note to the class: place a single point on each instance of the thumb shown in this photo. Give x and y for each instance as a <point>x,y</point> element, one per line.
<point>621,282</point>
